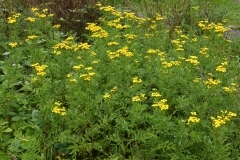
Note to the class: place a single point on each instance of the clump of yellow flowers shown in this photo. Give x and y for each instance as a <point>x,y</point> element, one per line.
<point>13,44</point>
<point>137,80</point>
<point>193,118</point>
<point>97,31</point>
<point>13,19</point>
<point>40,69</point>
<point>59,110</point>
<point>140,98</point>
<point>31,37</point>
<point>193,60</point>
<point>210,82</point>
<point>162,103</point>
<point>221,68</point>
<point>223,118</point>
<point>232,88</point>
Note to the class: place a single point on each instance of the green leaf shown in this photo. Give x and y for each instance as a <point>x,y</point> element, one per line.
<point>12,113</point>
<point>7,130</point>
<point>3,156</point>
<point>2,77</point>
<point>16,118</point>
<point>4,70</point>
<point>17,133</point>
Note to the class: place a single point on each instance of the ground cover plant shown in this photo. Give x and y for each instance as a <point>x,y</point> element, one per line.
<point>138,88</point>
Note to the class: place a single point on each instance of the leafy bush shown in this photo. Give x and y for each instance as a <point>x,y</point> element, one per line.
<point>72,15</point>
<point>134,91</point>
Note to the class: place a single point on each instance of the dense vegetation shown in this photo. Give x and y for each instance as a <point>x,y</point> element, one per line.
<point>140,80</point>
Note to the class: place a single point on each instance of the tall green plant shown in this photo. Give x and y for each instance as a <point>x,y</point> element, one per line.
<point>134,91</point>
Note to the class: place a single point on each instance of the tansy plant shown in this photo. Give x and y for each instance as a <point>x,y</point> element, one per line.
<point>131,91</point>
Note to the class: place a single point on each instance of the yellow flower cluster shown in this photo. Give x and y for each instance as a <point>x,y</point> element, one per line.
<point>95,61</point>
<point>197,80</point>
<point>98,4</point>
<point>137,80</point>
<point>194,39</point>
<point>113,89</point>
<point>129,15</point>
<point>161,104</point>
<point>67,44</point>
<point>13,19</point>
<point>69,38</point>
<point>112,43</point>
<point>179,44</point>
<point>34,9</point>
<point>62,45</point>
<point>97,31</point>
<point>107,95</point>
<point>13,44</point>
<point>123,51</point>
<point>30,19</point>
<point>153,51</point>
<point>231,88</point>
<point>56,26</point>
<point>40,69</point>
<point>156,94</point>
<point>204,51</point>
<point>193,60</point>
<point>58,110</point>
<point>30,38</point>
<point>170,64</point>
<point>69,75</point>
<point>221,68</point>
<point>218,28</point>
<point>205,26</point>
<point>107,8</point>
<point>87,76</point>
<point>78,66</point>
<point>116,23</point>
<point>93,27</point>
<point>147,35</point>
<point>81,46</point>
<point>40,15</point>
<point>139,98</point>
<point>130,36</point>
<point>159,17</point>
<point>178,30</point>
<point>209,82</point>
<point>193,118</point>
<point>223,118</point>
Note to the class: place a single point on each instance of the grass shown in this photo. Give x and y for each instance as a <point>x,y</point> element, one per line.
<point>234,15</point>
<point>137,88</point>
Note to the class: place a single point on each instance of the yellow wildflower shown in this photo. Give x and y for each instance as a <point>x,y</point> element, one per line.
<point>56,26</point>
<point>223,118</point>
<point>193,118</point>
<point>106,95</point>
<point>30,19</point>
<point>13,44</point>
<point>137,80</point>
